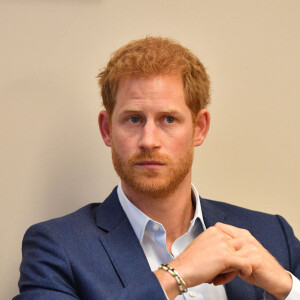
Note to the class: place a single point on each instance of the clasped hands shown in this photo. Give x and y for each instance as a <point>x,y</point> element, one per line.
<point>223,252</point>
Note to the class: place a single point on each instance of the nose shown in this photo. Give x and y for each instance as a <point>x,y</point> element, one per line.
<point>149,137</point>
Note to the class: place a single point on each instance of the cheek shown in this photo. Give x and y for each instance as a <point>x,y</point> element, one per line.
<point>179,148</point>
<point>185,140</point>
<point>123,145</point>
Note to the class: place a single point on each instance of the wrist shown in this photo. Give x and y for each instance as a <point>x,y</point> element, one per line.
<point>168,283</point>
<point>284,288</point>
<point>180,282</point>
<point>184,271</point>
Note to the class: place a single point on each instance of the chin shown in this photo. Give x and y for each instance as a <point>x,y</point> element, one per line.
<point>154,187</point>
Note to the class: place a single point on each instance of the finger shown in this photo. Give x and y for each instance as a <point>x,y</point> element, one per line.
<point>215,232</point>
<point>238,243</point>
<point>244,243</point>
<point>225,278</point>
<point>232,230</point>
<point>242,264</point>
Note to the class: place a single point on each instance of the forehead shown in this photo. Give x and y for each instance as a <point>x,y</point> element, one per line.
<point>157,89</point>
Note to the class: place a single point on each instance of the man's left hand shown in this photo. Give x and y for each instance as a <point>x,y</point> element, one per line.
<point>265,271</point>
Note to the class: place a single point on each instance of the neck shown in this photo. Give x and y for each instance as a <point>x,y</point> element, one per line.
<point>174,210</point>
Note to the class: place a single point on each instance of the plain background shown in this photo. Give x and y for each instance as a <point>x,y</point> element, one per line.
<point>53,160</point>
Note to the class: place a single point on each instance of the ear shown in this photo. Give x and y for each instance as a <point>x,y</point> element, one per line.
<point>103,120</point>
<point>201,126</point>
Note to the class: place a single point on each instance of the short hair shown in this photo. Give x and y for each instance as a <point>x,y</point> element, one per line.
<point>155,56</point>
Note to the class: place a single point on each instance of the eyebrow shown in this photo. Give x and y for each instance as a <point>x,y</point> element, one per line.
<point>170,111</point>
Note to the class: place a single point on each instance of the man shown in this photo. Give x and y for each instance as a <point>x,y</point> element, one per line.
<point>154,237</point>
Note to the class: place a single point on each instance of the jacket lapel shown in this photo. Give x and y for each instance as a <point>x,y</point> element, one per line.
<point>211,213</point>
<point>120,242</point>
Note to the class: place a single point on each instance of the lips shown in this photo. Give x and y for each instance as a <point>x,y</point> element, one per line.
<point>150,164</point>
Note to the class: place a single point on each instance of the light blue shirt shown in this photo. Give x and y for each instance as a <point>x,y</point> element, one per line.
<point>152,237</point>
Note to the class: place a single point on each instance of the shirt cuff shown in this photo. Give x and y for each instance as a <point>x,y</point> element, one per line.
<point>294,293</point>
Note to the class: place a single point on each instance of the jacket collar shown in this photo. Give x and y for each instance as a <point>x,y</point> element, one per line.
<point>110,213</point>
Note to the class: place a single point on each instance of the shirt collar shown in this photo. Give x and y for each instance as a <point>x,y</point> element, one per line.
<point>198,210</point>
<point>139,220</point>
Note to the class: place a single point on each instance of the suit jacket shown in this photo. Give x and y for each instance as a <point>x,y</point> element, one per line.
<point>94,253</point>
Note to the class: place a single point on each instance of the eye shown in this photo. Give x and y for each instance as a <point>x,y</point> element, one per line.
<point>134,120</point>
<point>170,119</point>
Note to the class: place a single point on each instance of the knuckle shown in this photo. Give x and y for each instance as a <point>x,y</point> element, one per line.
<point>246,232</point>
<point>213,229</point>
<point>249,240</point>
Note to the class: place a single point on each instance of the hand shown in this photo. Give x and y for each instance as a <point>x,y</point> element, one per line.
<point>221,253</point>
<point>209,256</point>
<point>266,272</point>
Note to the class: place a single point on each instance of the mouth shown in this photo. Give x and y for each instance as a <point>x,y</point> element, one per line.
<point>150,164</point>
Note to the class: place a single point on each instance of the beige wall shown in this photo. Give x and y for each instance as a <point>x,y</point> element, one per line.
<point>52,158</point>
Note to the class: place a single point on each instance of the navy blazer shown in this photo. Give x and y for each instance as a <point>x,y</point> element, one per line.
<point>94,254</point>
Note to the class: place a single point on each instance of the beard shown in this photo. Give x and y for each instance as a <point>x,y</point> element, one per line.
<point>154,183</point>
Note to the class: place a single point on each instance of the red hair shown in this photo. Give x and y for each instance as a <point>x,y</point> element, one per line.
<point>154,56</point>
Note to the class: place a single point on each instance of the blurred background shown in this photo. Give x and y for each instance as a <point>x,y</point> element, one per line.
<point>53,160</point>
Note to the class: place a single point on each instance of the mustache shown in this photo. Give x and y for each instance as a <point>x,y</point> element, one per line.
<point>149,156</point>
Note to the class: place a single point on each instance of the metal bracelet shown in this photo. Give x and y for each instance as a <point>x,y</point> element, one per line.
<point>180,282</point>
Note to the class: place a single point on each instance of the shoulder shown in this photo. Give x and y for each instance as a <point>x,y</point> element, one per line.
<point>83,215</point>
<point>84,219</point>
<point>255,221</point>
<point>84,224</point>
<point>66,228</point>
<point>237,214</point>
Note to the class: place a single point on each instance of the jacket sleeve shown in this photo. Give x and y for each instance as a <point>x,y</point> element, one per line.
<point>293,247</point>
<point>45,272</point>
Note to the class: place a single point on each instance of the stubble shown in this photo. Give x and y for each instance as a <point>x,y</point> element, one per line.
<point>154,183</point>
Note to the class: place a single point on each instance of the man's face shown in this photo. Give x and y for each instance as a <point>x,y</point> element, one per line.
<point>152,134</point>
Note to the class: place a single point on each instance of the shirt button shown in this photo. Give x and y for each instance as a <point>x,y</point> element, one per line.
<point>155,227</point>
<point>193,294</point>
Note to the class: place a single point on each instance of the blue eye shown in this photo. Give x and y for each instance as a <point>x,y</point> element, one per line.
<point>134,120</point>
<point>169,119</point>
